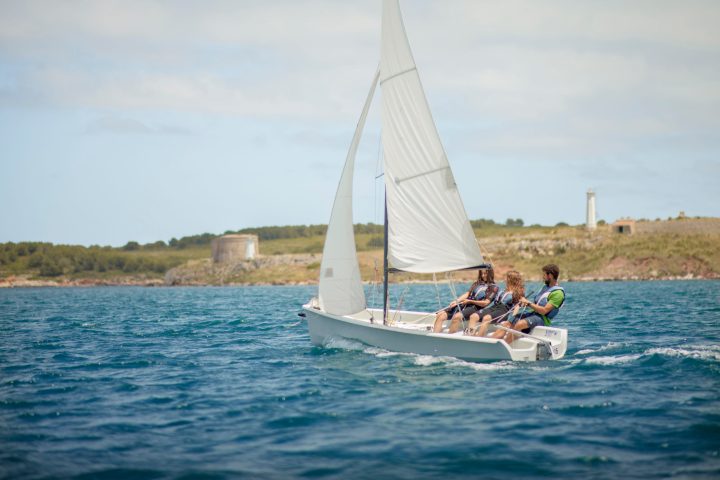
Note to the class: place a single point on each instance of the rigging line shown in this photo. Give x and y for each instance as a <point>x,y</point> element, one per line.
<point>374,291</point>
<point>378,162</point>
<point>399,305</point>
<point>489,257</point>
<point>509,313</point>
<point>451,286</point>
<point>394,75</point>
<point>385,263</point>
<point>437,291</point>
<point>459,307</point>
<point>494,320</point>
<point>544,341</point>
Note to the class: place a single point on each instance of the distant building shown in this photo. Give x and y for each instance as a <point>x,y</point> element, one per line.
<point>230,248</point>
<point>590,222</point>
<point>624,226</point>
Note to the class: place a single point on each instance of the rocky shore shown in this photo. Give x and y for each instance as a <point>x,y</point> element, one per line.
<point>17,281</point>
<point>204,273</point>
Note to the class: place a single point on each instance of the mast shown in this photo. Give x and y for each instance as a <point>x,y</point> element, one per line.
<point>385,265</point>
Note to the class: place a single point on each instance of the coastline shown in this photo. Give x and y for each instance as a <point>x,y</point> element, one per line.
<point>685,249</point>
<point>19,282</point>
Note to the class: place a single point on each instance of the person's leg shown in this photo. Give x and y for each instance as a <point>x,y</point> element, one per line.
<point>501,333</point>
<point>472,321</point>
<point>487,319</point>
<point>456,323</point>
<point>520,325</point>
<point>439,319</point>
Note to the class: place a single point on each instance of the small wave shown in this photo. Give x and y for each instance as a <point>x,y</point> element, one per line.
<point>380,353</point>
<point>604,348</point>
<point>612,360</point>
<point>702,352</point>
<point>427,360</point>
<point>344,344</point>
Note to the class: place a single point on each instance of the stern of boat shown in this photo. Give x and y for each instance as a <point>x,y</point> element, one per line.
<point>558,338</point>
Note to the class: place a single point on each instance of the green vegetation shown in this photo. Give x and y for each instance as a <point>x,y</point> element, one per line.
<point>48,260</point>
<point>581,254</point>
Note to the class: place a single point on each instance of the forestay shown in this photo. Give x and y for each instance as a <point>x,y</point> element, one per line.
<point>428,228</point>
<point>340,289</point>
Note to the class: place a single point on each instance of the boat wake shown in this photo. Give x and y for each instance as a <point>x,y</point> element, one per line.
<point>426,360</point>
<point>417,359</point>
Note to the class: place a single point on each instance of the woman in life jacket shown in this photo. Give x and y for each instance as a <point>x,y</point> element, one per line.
<point>480,294</point>
<point>541,310</point>
<point>505,300</point>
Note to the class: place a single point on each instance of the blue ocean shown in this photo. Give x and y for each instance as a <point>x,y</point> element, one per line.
<point>224,383</point>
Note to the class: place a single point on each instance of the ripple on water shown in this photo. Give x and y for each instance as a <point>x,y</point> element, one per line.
<point>185,383</point>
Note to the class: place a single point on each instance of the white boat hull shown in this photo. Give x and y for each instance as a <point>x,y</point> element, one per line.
<point>411,332</point>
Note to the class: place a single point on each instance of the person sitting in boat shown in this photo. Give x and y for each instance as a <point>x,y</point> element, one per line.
<point>544,307</point>
<point>506,299</point>
<point>479,295</point>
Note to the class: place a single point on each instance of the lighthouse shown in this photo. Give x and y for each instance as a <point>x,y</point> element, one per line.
<point>590,223</point>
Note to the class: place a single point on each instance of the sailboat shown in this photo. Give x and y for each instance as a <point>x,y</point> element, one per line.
<point>426,229</point>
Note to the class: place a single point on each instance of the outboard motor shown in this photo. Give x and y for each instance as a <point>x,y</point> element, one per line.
<point>543,351</point>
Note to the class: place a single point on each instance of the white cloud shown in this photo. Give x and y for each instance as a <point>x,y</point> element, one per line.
<point>605,90</point>
<point>515,61</point>
<point>131,126</point>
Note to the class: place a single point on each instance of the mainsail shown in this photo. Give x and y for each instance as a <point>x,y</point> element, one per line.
<point>340,289</point>
<point>428,228</point>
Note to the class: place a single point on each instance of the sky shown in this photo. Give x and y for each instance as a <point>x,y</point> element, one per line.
<point>147,120</point>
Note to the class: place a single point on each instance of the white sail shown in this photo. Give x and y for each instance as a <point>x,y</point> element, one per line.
<point>341,290</point>
<point>428,228</point>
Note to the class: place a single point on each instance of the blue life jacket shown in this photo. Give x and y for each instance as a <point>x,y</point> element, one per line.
<point>504,297</point>
<point>480,292</point>
<point>541,299</point>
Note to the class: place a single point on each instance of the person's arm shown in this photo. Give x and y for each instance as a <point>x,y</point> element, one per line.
<point>541,310</point>
<point>489,296</point>
<point>544,310</point>
<point>479,303</point>
<point>460,299</point>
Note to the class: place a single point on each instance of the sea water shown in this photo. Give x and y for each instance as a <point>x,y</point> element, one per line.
<point>224,383</point>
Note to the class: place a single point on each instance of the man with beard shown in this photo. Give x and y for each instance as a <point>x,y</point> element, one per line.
<point>543,309</point>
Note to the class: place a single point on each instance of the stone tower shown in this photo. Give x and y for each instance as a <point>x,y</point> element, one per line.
<point>230,248</point>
